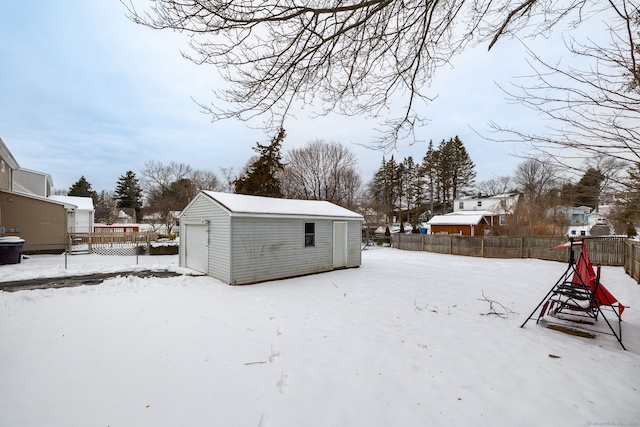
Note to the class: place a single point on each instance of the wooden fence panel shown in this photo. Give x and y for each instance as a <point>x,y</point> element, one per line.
<point>440,244</point>
<point>541,247</point>
<point>612,251</point>
<point>102,239</point>
<point>466,245</point>
<point>632,260</point>
<point>607,251</point>
<point>502,247</point>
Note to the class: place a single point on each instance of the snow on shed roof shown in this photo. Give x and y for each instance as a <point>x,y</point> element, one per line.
<point>82,203</point>
<point>466,219</point>
<point>244,204</point>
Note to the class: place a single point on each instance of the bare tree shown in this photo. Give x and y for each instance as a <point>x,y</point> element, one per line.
<point>349,57</point>
<point>536,212</point>
<point>157,176</point>
<point>206,180</point>
<point>322,171</point>
<point>170,187</point>
<point>497,185</point>
<point>592,104</point>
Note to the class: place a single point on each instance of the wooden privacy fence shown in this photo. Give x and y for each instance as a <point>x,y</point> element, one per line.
<point>632,259</point>
<point>613,251</point>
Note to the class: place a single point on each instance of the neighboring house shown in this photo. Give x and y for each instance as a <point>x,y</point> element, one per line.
<point>32,182</point>
<point>575,216</point>
<point>126,216</point>
<point>80,212</point>
<point>8,166</point>
<point>41,222</point>
<point>241,239</point>
<point>461,223</point>
<point>475,215</point>
<point>499,206</point>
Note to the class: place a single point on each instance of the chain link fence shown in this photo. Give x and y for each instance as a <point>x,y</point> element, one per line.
<point>60,259</point>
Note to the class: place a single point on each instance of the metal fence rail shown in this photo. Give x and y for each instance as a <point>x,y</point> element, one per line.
<point>63,257</point>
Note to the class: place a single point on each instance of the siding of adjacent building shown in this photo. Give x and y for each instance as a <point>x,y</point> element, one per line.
<point>42,223</point>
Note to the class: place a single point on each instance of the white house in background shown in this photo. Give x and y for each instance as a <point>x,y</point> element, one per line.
<point>499,204</point>
<point>496,209</point>
<point>80,211</point>
<point>32,182</point>
<point>241,239</point>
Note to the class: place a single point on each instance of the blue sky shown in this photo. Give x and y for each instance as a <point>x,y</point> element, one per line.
<point>84,91</point>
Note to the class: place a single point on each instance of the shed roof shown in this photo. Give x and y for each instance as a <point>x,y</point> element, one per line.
<point>259,205</point>
<point>456,219</point>
<point>82,203</point>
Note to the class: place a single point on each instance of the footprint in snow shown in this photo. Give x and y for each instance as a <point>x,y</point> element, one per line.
<point>265,421</point>
<point>283,384</point>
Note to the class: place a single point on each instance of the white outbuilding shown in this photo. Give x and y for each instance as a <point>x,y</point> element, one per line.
<point>242,239</point>
<point>80,211</point>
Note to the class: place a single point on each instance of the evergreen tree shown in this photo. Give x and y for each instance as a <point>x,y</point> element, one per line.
<point>82,188</point>
<point>463,175</point>
<point>588,189</point>
<point>429,172</point>
<point>452,169</point>
<point>128,192</point>
<point>261,177</point>
<point>384,187</point>
<point>413,190</point>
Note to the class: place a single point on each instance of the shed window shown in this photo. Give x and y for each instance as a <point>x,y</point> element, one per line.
<point>309,234</point>
<point>479,203</point>
<point>461,205</point>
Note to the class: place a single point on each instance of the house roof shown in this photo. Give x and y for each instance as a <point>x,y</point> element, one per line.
<point>7,156</point>
<point>258,205</point>
<point>471,218</point>
<point>34,197</point>
<point>82,203</point>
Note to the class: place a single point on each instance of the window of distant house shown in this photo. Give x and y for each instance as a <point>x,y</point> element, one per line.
<point>503,219</point>
<point>479,203</point>
<point>461,205</point>
<point>309,234</point>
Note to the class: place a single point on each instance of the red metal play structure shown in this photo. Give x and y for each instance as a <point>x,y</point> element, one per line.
<point>578,298</point>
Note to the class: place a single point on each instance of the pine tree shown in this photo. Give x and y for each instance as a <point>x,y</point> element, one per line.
<point>128,192</point>
<point>261,178</point>
<point>82,188</point>
<point>384,187</point>
<point>463,174</point>
<point>588,188</point>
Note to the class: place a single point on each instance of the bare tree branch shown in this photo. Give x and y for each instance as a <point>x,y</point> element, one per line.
<point>351,57</point>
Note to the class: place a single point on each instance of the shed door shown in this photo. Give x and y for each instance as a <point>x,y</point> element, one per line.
<point>197,248</point>
<point>339,244</point>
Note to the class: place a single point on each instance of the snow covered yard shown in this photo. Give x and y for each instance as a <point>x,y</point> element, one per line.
<point>404,340</point>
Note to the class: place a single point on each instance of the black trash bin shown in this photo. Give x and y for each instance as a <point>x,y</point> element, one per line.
<point>10,249</point>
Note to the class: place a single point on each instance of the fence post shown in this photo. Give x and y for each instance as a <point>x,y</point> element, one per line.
<point>66,254</point>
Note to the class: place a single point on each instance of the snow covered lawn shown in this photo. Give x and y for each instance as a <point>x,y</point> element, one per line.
<point>405,340</point>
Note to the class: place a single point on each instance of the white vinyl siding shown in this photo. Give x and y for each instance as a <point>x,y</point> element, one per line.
<point>204,209</point>
<point>271,248</point>
<point>245,247</point>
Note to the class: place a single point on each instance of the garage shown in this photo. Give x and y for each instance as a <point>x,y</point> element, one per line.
<point>241,239</point>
